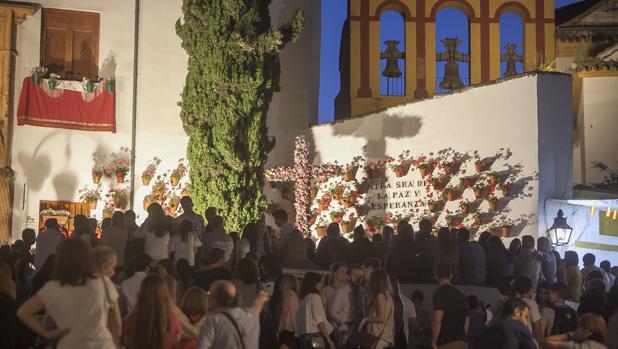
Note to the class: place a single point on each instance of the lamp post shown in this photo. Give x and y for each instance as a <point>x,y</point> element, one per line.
<point>560,232</point>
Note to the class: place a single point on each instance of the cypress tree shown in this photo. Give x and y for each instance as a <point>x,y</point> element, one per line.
<point>233,69</point>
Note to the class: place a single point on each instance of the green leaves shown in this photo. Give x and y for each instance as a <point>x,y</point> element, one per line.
<point>232,74</point>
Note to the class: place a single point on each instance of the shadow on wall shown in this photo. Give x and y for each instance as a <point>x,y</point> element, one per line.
<point>394,126</point>
<point>37,167</point>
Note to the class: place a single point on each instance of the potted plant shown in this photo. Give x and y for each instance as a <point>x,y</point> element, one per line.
<point>464,206</point>
<point>448,166</point>
<point>110,84</point>
<point>52,82</point>
<point>172,202</point>
<point>479,190</point>
<point>37,73</point>
<point>479,164</point>
<point>348,224</point>
<point>438,183</point>
<point>349,171</point>
<point>337,191</point>
<point>505,228</point>
<point>434,205</point>
<point>402,165</point>
<point>90,196</point>
<point>451,193</point>
<point>478,217</point>
<point>493,202</point>
<point>506,188</point>
<point>336,216</point>
<point>62,216</point>
<point>375,169</point>
<point>159,188</point>
<point>494,178</point>
<point>98,170</point>
<point>321,226</point>
<point>451,220</point>
<point>313,216</point>
<point>467,182</point>
<point>374,224</point>
<point>348,198</point>
<point>178,173</point>
<point>108,210</point>
<point>150,170</point>
<point>393,219</point>
<point>121,164</point>
<point>424,166</point>
<point>119,196</point>
<point>88,85</point>
<point>148,200</point>
<point>324,202</point>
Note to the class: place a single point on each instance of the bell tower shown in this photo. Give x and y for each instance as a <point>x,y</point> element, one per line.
<point>361,55</point>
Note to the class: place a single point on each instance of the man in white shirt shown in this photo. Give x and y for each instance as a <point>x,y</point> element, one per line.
<point>46,242</point>
<point>228,324</point>
<point>130,286</point>
<point>218,238</point>
<point>188,214</point>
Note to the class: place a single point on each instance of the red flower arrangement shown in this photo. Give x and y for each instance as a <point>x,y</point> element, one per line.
<point>424,165</point>
<point>506,188</point>
<point>324,201</point>
<point>467,182</point>
<point>448,166</point>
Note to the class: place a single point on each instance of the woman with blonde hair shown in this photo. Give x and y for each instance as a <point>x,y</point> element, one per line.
<point>152,325</point>
<point>194,305</point>
<point>285,304</point>
<point>590,334</point>
<point>337,300</point>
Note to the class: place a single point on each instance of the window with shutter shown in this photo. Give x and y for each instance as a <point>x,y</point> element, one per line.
<point>70,43</point>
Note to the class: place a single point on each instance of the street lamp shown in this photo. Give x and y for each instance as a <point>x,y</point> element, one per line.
<point>560,231</point>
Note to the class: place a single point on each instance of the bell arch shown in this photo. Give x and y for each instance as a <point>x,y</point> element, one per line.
<point>393,73</point>
<point>511,48</point>
<point>452,49</point>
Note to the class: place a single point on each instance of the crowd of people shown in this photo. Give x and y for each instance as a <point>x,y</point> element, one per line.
<point>187,283</point>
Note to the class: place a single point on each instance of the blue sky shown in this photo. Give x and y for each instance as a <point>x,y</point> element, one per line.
<point>450,23</point>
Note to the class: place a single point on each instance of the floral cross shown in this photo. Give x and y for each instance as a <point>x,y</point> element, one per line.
<point>301,174</point>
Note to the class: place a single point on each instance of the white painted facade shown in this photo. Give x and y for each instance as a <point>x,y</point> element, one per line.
<point>53,164</point>
<point>530,116</point>
<point>598,123</point>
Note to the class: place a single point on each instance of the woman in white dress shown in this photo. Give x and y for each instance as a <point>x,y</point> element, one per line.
<point>336,296</point>
<point>77,299</point>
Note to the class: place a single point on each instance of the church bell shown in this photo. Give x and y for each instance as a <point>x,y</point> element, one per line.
<point>451,80</point>
<point>392,56</point>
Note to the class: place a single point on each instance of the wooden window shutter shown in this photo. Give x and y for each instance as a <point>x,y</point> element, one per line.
<point>70,43</point>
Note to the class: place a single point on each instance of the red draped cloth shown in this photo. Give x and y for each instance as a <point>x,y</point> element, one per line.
<point>64,108</point>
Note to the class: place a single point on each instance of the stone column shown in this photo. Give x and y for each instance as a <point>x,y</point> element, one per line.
<point>11,15</point>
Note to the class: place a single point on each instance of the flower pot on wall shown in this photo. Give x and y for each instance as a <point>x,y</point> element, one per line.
<point>120,177</point>
<point>120,202</point>
<point>350,174</point>
<point>321,231</point>
<point>401,171</point>
<point>504,232</point>
<point>146,181</point>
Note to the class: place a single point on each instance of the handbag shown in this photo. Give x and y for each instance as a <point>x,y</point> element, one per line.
<point>111,325</point>
<point>366,340</point>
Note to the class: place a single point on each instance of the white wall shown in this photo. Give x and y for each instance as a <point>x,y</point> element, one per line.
<point>507,115</point>
<point>51,163</point>
<point>598,116</point>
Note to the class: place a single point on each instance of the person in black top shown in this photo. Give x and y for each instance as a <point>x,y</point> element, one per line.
<point>332,248</point>
<point>565,319</point>
<point>361,248</point>
<point>212,270</point>
<point>450,314</point>
<point>511,332</point>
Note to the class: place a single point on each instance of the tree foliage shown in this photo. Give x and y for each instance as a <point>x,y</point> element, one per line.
<point>233,70</point>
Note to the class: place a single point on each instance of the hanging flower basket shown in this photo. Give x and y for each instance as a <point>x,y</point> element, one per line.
<point>464,206</point>
<point>146,180</point>
<point>494,179</point>
<point>504,232</point>
<point>478,218</point>
<point>479,165</point>
<point>350,174</point>
<point>120,177</point>
<point>451,195</point>
<point>448,167</point>
<point>323,179</point>
<point>174,181</point>
<point>96,177</point>
<point>337,192</point>
<point>434,206</point>
<point>468,182</point>
<point>401,170</point>
<point>147,201</point>
<point>478,191</point>
<point>321,231</point>
<point>120,202</point>
<point>506,188</point>
<point>324,202</point>
<point>336,217</point>
<point>493,203</point>
<point>348,226</point>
